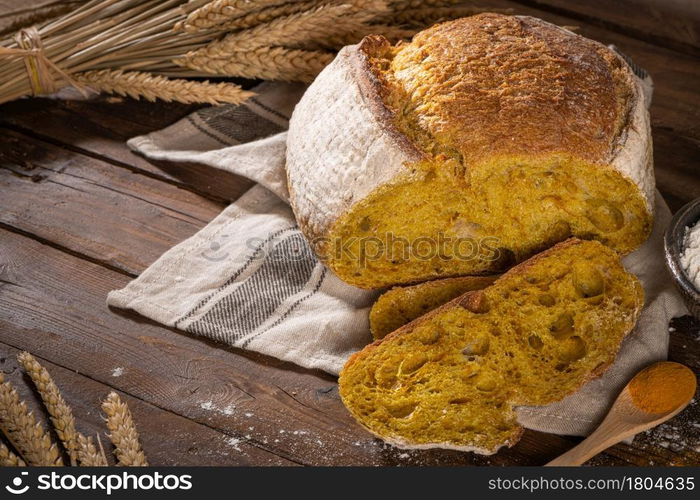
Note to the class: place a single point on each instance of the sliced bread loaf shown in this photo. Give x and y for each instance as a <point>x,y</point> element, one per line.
<point>403,304</point>
<point>451,378</point>
<point>505,133</point>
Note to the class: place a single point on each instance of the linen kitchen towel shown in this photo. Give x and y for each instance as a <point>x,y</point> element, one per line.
<point>250,280</point>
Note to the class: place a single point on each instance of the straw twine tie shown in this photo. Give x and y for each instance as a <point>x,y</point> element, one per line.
<point>43,74</point>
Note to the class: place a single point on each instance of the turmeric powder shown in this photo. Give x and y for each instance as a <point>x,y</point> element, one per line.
<point>662,387</point>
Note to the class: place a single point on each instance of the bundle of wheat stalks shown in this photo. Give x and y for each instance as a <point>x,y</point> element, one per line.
<point>31,444</point>
<point>153,48</point>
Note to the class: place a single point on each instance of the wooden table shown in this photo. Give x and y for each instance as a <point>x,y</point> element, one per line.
<point>81,215</point>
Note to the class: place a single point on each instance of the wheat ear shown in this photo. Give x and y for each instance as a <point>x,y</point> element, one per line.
<point>102,449</point>
<point>24,432</point>
<point>138,85</point>
<point>258,17</point>
<point>9,459</point>
<point>88,456</point>
<point>317,24</point>
<point>220,11</point>
<point>267,63</point>
<point>123,432</point>
<point>60,413</point>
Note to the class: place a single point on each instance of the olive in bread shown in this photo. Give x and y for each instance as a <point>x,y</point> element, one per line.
<point>507,131</point>
<point>451,378</point>
<point>402,304</point>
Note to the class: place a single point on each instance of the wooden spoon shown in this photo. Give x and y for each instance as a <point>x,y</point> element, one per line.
<point>654,395</point>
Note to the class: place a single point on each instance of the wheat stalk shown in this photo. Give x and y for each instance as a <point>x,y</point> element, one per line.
<point>24,432</point>
<point>220,11</point>
<point>60,413</point>
<point>9,459</point>
<point>88,456</point>
<point>129,47</point>
<point>151,87</point>
<point>314,25</point>
<point>258,17</point>
<point>123,432</point>
<point>271,63</point>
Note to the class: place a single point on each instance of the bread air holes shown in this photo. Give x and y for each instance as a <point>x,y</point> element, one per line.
<point>477,347</point>
<point>604,215</point>
<point>562,327</point>
<point>588,281</point>
<point>486,384</point>
<point>546,300</point>
<point>387,374</point>
<point>401,409</point>
<point>535,342</point>
<point>429,336</point>
<point>572,349</point>
<point>412,363</point>
<point>365,224</point>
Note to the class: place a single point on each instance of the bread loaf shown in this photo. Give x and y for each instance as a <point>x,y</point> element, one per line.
<point>504,134</point>
<point>451,378</point>
<point>403,304</point>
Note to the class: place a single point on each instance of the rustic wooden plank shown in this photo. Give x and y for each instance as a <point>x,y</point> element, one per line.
<point>49,298</point>
<point>671,23</point>
<point>685,342</point>
<point>672,121</point>
<point>167,439</point>
<point>102,126</point>
<point>91,126</point>
<point>676,167</point>
<point>13,13</point>
<point>292,412</point>
<point>110,214</point>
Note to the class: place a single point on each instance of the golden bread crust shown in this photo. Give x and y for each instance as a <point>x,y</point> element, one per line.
<point>490,85</point>
<point>475,302</point>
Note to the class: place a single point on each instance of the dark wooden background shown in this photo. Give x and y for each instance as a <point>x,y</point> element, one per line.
<point>81,215</point>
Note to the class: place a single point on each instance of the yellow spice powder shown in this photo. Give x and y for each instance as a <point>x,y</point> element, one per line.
<point>662,387</point>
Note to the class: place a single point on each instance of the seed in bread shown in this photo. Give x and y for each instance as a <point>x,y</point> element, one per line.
<point>451,378</point>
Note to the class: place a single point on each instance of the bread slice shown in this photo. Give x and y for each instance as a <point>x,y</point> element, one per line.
<point>451,378</point>
<point>504,134</point>
<point>403,304</point>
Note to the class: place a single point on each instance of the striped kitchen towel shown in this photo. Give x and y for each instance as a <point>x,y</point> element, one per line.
<point>250,280</point>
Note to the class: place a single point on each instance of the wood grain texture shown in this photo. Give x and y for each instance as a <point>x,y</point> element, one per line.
<point>49,298</point>
<point>671,23</point>
<point>14,13</point>
<point>168,439</point>
<point>56,195</point>
<point>80,214</point>
<point>100,128</point>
